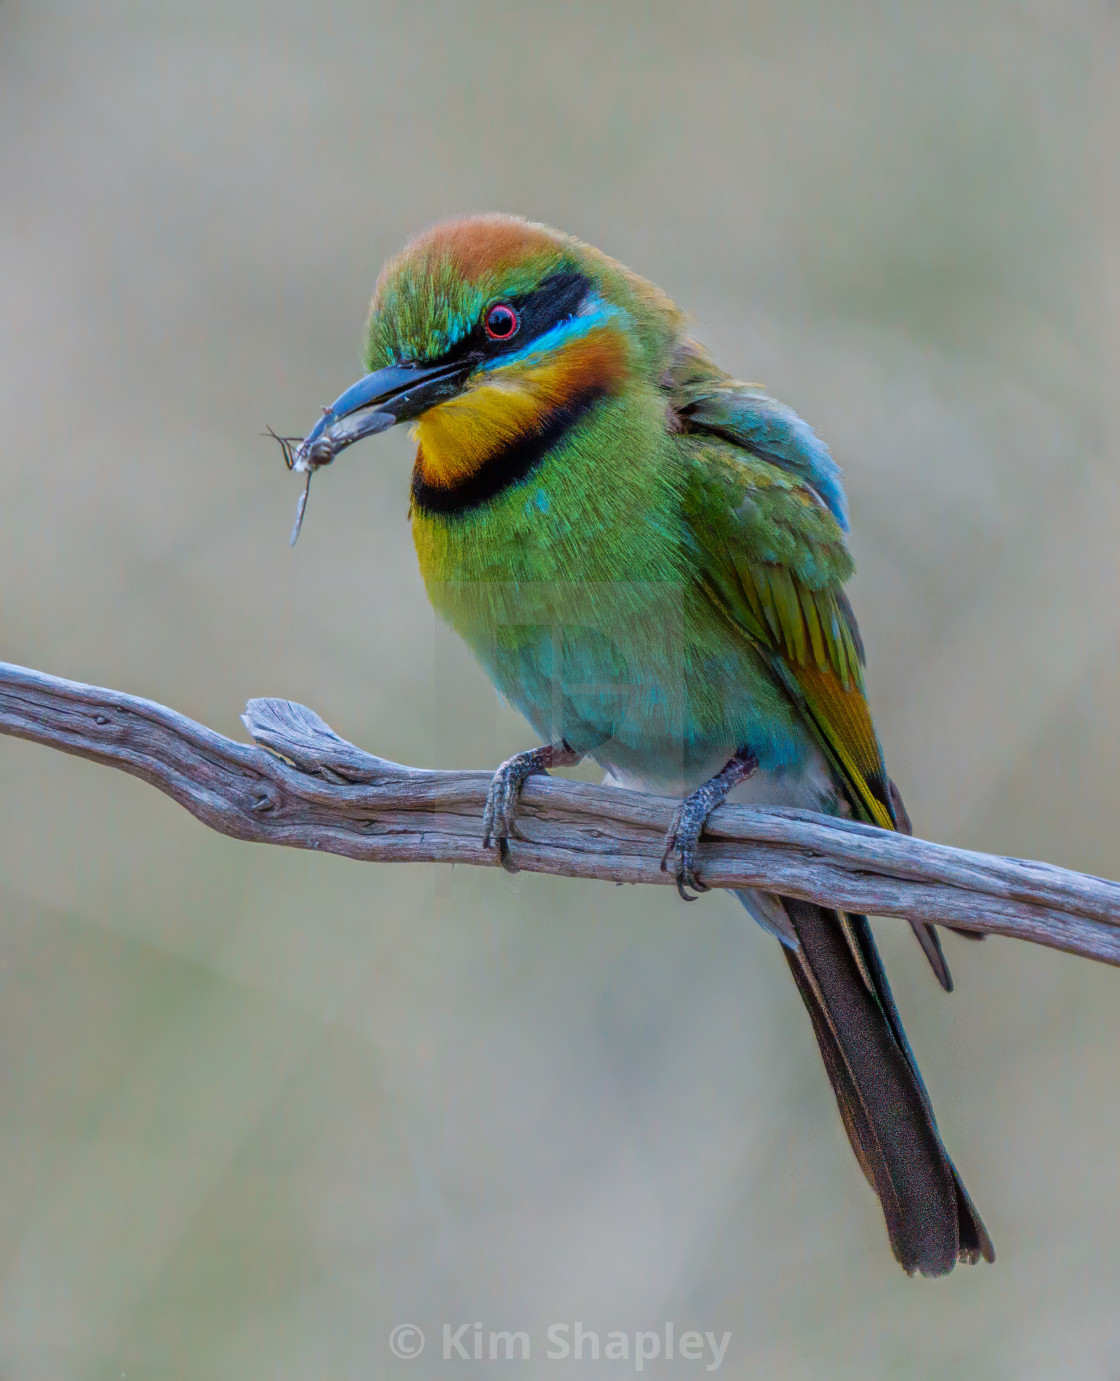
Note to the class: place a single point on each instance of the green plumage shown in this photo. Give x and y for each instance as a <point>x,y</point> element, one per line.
<point>589,596</point>
<point>648,558</point>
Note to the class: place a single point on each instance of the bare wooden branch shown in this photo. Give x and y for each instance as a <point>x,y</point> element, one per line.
<point>301,785</point>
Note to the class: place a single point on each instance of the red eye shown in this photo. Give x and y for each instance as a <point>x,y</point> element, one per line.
<point>502,322</point>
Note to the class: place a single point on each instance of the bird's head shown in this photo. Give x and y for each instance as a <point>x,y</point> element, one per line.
<point>493,334</point>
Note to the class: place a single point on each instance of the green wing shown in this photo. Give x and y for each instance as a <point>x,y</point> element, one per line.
<point>773,561</point>
<point>766,510</point>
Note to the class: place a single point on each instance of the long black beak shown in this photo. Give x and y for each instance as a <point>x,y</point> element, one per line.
<point>394,394</point>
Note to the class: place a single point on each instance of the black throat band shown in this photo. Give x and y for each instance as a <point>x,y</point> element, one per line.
<point>510,464</point>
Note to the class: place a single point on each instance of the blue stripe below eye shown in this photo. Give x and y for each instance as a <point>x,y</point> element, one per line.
<point>593,314</point>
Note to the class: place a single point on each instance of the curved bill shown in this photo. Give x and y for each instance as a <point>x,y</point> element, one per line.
<point>396,393</point>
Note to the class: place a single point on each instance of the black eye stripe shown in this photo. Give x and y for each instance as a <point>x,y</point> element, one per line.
<point>558,298</point>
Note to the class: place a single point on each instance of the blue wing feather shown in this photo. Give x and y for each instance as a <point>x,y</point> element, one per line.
<point>709,400</point>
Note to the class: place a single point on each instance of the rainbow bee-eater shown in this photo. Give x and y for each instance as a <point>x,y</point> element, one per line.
<point>648,559</point>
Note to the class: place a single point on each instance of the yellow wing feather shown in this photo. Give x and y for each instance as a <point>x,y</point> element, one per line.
<point>774,562</point>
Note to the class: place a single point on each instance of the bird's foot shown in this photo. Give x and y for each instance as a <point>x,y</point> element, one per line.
<point>499,819</point>
<point>689,818</point>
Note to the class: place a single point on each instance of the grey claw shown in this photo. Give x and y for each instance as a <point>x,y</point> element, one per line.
<point>506,858</point>
<point>491,827</point>
<point>689,818</point>
<point>671,837</point>
<point>683,838</point>
<point>499,819</point>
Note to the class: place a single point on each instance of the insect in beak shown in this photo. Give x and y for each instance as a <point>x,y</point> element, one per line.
<point>397,393</point>
<point>295,458</point>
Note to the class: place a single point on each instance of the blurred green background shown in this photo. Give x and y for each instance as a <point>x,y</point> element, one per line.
<point>258,1107</point>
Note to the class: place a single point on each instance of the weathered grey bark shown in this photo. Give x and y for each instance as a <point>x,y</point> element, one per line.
<point>303,786</point>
